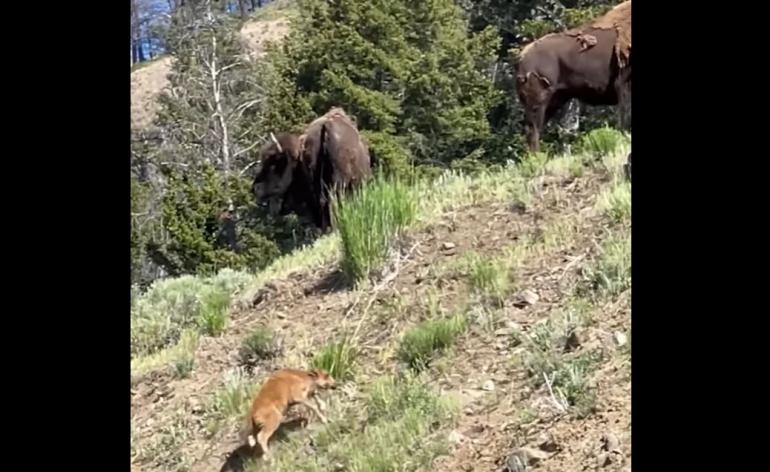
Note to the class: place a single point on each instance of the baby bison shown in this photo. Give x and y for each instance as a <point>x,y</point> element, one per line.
<point>284,388</point>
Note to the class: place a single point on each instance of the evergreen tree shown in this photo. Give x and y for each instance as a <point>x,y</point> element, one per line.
<point>418,85</point>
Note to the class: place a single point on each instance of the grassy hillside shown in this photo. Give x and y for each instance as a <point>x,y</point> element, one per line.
<point>481,321</point>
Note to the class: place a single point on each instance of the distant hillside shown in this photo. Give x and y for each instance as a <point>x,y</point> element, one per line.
<point>148,79</point>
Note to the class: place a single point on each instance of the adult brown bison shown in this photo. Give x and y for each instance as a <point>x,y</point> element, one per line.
<point>591,63</point>
<point>330,156</point>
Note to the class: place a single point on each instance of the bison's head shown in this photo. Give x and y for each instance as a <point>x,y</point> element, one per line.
<point>534,91</point>
<point>278,159</point>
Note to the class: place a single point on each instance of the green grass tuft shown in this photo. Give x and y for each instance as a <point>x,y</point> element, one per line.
<point>213,312</point>
<point>233,399</point>
<point>369,222</point>
<point>338,359</point>
<point>534,165</point>
<point>489,278</point>
<point>611,274</point>
<point>615,203</point>
<point>420,344</point>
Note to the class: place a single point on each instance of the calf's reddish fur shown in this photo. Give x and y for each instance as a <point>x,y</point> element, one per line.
<point>286,387</point>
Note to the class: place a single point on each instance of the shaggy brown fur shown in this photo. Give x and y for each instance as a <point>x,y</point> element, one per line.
<point>330,155</point>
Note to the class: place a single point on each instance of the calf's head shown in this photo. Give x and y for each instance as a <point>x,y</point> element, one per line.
<point>322,379</point>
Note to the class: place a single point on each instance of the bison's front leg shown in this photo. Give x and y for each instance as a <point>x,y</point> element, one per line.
<point>535,119</point>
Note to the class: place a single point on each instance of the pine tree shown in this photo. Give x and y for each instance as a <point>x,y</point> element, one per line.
<point>417,84</point>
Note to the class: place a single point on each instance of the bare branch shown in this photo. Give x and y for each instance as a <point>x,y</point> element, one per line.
<point>171,163</point>
<point>246,149</point>
<point>243,106</point>
<point>228,67</point>
<point>559,405</point>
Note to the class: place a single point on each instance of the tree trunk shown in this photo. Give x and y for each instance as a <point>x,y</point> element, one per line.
<point>242,6</point>
<point>140,48</point>
<point>216,90</point>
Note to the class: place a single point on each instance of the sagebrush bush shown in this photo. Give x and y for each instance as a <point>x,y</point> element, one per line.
<point>338,359</point>
<point>184,354</point>
<point>533,165</point>
<point>601,142</point>
<point>172,305</point>
<point>260,344</point>
<point>615,203</point>
<point>179,358</point>
<point>611,274</point>
<point>567,373</point>
<point>234,398</point>
<point>370,221</point>
<point>421,343</point>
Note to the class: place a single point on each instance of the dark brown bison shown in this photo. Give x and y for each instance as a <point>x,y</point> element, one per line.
<point>330,156</point>
<point>591,64</point>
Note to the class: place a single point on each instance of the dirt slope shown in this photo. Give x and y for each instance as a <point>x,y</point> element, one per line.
<point>502,405</point>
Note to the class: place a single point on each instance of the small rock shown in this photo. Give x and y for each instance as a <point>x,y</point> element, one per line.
<point>489,386</point>
<point>620,339</point>
<point>533,456</point>
<point>195,405</point>
<point>547,443</point>
<point>603,460</point>
<point>522,457</point>
<point>456,437</point>
<point>526,297</point>
<point>448,245</point>
<point>504,331</point>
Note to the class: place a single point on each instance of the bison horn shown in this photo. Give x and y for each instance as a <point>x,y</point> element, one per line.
<point>278,145</point>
